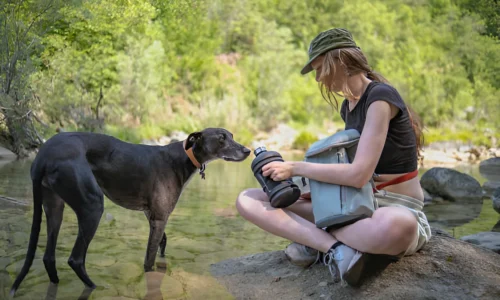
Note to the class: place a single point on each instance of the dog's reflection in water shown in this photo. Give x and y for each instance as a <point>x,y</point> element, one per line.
<point>153,285</point>
<point>52,292</point>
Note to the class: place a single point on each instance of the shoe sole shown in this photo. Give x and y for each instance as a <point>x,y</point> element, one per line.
<point>354,273</point>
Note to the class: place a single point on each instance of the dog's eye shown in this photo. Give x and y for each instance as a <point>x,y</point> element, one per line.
<point>222,137</point>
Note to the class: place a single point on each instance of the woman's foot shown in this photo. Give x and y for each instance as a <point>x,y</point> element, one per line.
<point>345,263</point>
<point>301,255</point>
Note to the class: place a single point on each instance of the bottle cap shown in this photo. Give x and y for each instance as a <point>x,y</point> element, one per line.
<point>259,150</point>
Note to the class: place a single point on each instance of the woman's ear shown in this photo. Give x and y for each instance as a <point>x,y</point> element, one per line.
<point>192,139</point>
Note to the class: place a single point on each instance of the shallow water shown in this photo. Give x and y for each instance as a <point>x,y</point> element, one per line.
<point>203,229</point>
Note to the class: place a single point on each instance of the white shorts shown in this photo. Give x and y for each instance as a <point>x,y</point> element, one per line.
<point>386,199</point>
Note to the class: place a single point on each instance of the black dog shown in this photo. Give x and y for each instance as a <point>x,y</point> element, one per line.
<point>78,168</point>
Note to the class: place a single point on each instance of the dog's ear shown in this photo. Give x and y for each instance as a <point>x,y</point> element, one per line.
<point>192,138</point>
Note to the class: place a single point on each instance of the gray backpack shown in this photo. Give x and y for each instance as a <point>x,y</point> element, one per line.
<point>335,206</point>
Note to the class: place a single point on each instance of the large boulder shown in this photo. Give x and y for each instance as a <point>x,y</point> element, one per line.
<point>487,239</point>
<point>452,185</point>
<point>496,200</point>
<point>490,169</point>
<point>446,268</point>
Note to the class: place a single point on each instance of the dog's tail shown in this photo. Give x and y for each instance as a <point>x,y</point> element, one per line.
<point>35,232</point>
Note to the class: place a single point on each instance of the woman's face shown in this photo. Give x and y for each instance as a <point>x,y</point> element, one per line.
<point>333,81</point>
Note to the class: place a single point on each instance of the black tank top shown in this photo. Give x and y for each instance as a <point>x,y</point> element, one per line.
<point>400,150</point>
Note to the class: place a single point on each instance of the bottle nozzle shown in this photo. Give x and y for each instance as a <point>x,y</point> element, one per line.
<point>259,150</point>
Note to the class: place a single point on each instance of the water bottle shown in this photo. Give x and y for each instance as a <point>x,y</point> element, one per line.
<point>281,193</point>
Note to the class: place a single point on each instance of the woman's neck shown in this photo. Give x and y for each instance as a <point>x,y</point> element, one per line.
<point>357,85</point>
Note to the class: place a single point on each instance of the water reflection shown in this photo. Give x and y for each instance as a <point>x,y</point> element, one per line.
<point>153,288</point>
<point>450,215</point>
<point>15,179</point>
<point>204,228</point>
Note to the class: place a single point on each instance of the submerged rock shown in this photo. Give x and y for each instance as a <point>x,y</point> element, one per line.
<point>452,185</point>
<point>449,214</point>
<point>490,169</point>
<point>490,186</point>
<point>487,239</point>
<point>446,268</point>
<point>496,200</point>
<point>6,154</point>
<point>427,196</point>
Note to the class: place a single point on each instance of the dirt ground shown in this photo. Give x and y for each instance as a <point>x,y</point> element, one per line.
<point>445,268</point>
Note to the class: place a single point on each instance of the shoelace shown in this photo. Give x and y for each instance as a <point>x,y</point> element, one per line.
<point>318,257</point>
<point>330,259</point>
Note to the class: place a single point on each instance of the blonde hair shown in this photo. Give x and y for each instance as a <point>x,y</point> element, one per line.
<point>353,61</point>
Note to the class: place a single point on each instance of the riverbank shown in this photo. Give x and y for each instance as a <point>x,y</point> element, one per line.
<point>290,141</point>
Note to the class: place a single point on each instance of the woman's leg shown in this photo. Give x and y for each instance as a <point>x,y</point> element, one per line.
<point>390,230</point>
<point>253,205</point>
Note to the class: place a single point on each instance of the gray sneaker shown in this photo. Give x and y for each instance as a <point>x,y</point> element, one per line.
<point>345,263</point>
<point>301,255</point>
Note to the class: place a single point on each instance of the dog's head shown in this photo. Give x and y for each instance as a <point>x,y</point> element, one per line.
<point>215,143</point>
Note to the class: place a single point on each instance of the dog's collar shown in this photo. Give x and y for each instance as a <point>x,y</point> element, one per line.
<point>196,163</point>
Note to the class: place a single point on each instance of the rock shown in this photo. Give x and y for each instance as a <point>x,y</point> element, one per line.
<point>109,217</point>
<point>490,186</point>
<point>6,154</point>
<point>452,185</point>
<point>490,169</point>
<point>496,200</point>
<point>450,214</point>
<point>280,138</point>
<point>427,196</point>
<point>178,135</point>
<point>164,140</point>
<point>445,268</point>
<point>487,239</point>
<point>99,260</point>
<point>126,272</point>
<point>496,227</point>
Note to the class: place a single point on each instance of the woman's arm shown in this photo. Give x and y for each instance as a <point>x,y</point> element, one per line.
<point>368,153</point>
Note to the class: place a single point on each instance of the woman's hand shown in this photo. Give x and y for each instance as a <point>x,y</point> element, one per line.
<point>278,170</point>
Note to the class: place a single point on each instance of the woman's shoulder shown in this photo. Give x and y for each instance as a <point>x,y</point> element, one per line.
<point>385,92</point>
<point>381,88</point>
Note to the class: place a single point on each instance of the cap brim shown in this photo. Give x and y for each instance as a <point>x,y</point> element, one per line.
<point>306,69</point>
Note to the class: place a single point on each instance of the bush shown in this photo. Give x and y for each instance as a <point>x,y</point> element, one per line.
<point>304,140</point>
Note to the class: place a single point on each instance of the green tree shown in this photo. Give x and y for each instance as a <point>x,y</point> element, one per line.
<point>22,25</point>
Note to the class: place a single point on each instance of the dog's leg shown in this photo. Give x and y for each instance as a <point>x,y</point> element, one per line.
<point>87,226</point>
<point>156,231</point>
<point>163,245</point>
<point>76,184</point>
<point>163,242</point>
<point>53,206</point>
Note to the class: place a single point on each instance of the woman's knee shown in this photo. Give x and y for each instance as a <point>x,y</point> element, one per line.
<point>399,228</point>
<point>249,199</point>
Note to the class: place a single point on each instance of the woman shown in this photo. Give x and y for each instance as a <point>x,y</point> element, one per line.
<point>388,147</point>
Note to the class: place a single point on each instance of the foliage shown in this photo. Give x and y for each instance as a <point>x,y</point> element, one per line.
<point>477,134</point>
<point>304,140</point>
<point>22,24</point>
<point>188,64</point>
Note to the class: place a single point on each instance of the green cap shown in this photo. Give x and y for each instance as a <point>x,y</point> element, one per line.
<point>334,38</point>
